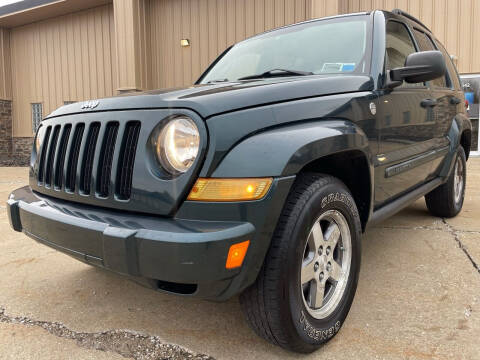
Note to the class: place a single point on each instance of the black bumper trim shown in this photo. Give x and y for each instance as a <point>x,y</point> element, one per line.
<point>13,212</point>
<point>140,246</point>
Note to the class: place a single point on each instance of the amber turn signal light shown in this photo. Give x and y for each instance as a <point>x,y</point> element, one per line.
<point>236,254</point>
<point>216,189</point>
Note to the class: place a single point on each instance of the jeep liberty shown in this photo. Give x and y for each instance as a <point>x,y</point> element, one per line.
<point>260,179</point>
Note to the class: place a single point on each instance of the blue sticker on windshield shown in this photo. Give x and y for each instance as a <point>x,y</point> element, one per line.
<point>348,67</point>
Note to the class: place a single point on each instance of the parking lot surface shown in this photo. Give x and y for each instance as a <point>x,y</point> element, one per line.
<point>418,298</point>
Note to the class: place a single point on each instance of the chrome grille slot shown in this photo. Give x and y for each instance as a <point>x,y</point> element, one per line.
<point>73,157</point>
<point>43,154</point>
<point>52,148</point>
<point>106,159</point>
<point>123,182</point>
<point>62,150</point>
<point>87,164</point>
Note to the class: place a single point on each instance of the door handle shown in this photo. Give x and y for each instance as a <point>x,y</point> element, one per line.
<point>455,100</point>
<point>428,103</point>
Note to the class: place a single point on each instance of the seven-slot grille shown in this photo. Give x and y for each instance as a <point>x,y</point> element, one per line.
<point>80,157</point>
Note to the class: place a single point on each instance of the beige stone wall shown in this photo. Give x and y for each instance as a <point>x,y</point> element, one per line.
<point>135,44</point>
<point>5,65</point>
<point>211,26</point>
<point>68,58</point>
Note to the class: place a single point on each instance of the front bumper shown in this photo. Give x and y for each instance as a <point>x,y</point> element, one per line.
<point>176,255</point>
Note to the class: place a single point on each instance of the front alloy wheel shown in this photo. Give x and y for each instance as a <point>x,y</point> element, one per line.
<point>326,264</point>
<point>308,280</point>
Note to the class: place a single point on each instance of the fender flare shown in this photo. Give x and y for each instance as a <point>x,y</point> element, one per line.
<point>285,150</point>
<point>459,124</point>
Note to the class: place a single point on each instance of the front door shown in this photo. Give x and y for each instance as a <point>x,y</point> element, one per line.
<point>407,120</point>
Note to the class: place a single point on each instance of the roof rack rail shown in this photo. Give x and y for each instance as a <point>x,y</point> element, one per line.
<point>408,16</point>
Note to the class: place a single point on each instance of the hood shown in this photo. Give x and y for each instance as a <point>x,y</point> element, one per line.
<point>211,99</point>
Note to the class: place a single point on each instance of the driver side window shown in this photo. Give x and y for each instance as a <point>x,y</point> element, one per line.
<point>399,45</point>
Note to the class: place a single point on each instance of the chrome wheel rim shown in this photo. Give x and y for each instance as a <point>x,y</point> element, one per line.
<point>326,264</point>
<point>458,180</point>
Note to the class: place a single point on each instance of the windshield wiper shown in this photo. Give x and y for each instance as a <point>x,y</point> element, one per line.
<point>277,72</point>
<point>216,81</point>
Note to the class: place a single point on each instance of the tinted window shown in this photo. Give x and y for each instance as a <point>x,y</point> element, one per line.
<point>399,44</point>
<point>332,46</point>
<point>426,44</point>
<point>452,70</point>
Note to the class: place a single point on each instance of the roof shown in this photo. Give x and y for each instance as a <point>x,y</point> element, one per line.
<point>29,11</point>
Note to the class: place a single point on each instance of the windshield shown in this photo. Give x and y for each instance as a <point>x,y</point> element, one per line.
<point>332,46</point>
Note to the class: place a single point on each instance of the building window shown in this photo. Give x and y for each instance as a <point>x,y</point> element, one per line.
<point>68,102</point>
<point>37,114</point>
<point>388,120</point>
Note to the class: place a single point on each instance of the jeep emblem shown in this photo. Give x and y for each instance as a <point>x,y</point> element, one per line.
<point>90,104</point>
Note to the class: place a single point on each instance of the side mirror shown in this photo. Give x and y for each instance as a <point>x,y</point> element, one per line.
<point>420,67</point>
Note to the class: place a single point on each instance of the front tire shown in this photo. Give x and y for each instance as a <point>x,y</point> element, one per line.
<point>447,200</point>
<point>307,283</point>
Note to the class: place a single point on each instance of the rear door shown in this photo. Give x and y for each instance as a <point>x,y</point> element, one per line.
<point>407,124</point>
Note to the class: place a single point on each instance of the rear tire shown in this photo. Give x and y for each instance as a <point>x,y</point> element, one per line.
<point>447,199</point>
<point>310,274</point>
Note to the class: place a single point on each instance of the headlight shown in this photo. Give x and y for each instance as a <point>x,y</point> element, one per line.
<point>177,145</point>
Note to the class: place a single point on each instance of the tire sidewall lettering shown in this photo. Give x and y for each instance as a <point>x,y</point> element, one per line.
<point>313,330</point>
<point>318,334</point>
<point>341,197</point>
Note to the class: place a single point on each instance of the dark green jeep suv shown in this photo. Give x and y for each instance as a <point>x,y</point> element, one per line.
<point>260,179</point>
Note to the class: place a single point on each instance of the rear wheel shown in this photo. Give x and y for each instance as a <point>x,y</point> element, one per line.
<point>307,284</point>
<point>447,199</point>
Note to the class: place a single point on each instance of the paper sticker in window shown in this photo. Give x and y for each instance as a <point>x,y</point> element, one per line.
<point>348,67</point>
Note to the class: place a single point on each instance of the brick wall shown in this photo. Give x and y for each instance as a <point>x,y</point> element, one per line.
<point>13,151</point>
<point>21,150</point>
<point>5,130</point>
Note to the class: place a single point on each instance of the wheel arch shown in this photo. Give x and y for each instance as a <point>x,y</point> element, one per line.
<point>459,134</point>
<point>352,168</point>
<point>466,141</point>
<point>335,147</point>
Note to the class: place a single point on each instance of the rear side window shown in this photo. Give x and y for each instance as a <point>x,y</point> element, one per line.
<point>452,70</point>
<point>426,44</point>
<point>399,45</point>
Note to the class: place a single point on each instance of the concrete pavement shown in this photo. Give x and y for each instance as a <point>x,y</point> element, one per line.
<point>418,298</point>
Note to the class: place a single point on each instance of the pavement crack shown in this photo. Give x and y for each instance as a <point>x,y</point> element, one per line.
<point>454,232</point>
<point>126,343</point>
<point>408,228</point>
